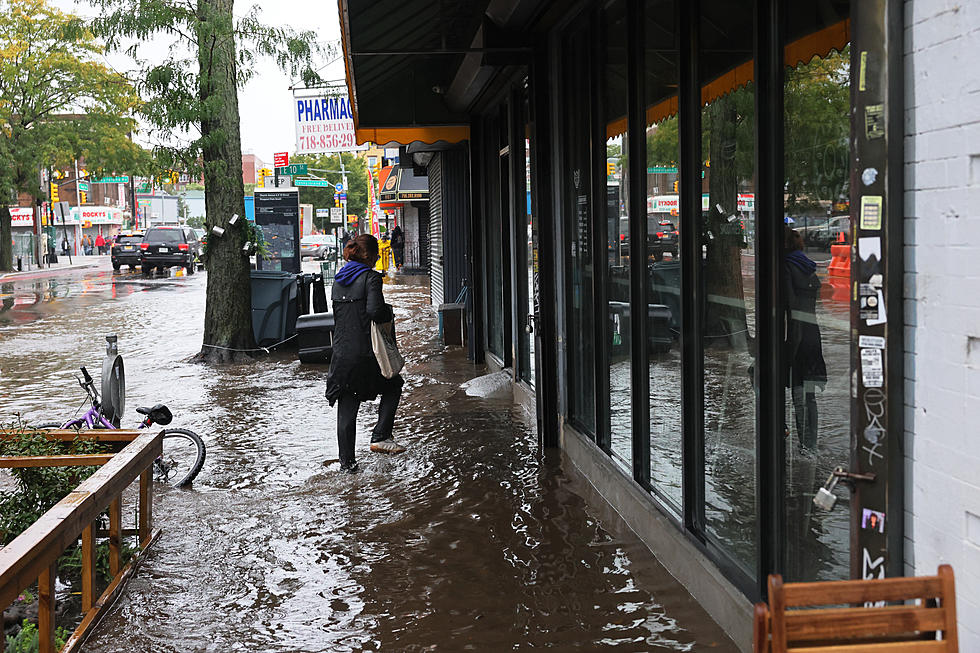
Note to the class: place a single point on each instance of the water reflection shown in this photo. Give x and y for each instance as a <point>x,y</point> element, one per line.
<point>469,540</point>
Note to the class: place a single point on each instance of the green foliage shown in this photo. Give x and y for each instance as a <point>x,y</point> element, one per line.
<point>174,89</point>
<point>70,564</point>
<point>40,488</point>
<point>321,198</point>
<point>58,102</point>
<point>196,221</point>
<point>26,641</point>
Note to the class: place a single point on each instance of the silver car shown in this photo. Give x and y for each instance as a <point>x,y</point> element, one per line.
<point>319,246</point>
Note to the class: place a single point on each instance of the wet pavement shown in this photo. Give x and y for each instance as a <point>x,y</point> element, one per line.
<point>470,540</point>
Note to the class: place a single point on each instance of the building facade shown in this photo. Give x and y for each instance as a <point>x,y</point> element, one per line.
<point>714,244</point>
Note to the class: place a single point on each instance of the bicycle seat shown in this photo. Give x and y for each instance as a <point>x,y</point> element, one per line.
<point>159,414</point>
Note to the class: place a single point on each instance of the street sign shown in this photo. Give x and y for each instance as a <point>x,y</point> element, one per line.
<point>339,188</point>
<point>62,210</point>
<point>342,197</point>
<point>662,170</point>
<point>285,181</point>
<point>280,159</point>
<point>312,182</point>
<point>337,215</point>
<point>295,169</point>
<point>111,180</point>
<point>323,213</point>
<point>83,185</point>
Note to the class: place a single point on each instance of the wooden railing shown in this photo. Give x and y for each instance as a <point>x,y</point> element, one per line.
<point>33,555</point>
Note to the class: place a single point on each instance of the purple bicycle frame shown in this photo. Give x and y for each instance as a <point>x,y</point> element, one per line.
<point>91,419</point>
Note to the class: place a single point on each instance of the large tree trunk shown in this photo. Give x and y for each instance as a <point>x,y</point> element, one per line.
<point>725,312</point>
<point>6,239</point>
<point>228,313</point>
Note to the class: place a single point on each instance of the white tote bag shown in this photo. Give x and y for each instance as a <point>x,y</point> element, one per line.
<point>386,349</point>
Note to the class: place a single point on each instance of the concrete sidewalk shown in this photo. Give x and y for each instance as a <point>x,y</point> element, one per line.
<point>77,263</point>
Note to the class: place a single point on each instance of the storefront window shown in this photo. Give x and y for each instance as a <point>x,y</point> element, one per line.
<point>618,246</point>
<point>817,309</point>
<point>662,256</point>
<point>498,200</point>
<point>728,311</point>
<point>577,183</point>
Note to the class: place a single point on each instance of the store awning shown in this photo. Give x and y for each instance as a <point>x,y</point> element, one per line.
<point>403,185</point>
<point>412,67</point>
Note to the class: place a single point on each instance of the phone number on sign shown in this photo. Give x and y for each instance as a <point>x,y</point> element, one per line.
<point>326,142</point>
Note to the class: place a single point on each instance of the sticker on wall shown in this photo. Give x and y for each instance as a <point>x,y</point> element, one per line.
<point>875,342</point>
<point>872,368</point>
<point>874,121</point>
<point>871,212</point>
<point>873,520</point>
<point>863,72</point>
<point>869,176</point>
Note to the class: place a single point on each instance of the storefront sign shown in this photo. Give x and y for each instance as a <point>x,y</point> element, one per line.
<point>96,215</point>
<point>21,216</point>
<point>746,202</point>
<point>324,124</point>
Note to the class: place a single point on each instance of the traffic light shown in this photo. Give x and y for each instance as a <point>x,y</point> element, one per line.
<point>54,192</point>
<point>610,168</point>
<point>82,197</point>
<point>676,184</point>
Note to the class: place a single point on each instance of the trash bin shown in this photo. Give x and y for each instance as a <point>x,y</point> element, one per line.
<point>315,335</point>
<point>273,306</point>
<point>452,323</point>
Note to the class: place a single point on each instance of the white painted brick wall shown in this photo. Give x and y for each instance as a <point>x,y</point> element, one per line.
<point>942,291</point>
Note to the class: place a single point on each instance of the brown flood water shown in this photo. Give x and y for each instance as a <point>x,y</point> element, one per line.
<point>469,541</point>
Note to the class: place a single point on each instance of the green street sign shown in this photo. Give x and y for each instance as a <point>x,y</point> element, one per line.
<point>111,180</point>
<point>295,169</point>
<point>662,170</point>
<point>311,182</point>
<point>82,185</point>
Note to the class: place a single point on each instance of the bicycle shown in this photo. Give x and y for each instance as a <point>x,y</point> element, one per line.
<point>182,449</point>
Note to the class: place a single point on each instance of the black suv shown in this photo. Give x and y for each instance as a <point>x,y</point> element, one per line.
<point>126,251</point>
<point>662,239</point>
<point>165,247</point>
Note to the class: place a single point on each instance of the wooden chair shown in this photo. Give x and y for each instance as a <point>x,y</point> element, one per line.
<point>928,626</point>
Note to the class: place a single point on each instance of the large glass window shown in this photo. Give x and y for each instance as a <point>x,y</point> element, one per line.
<point>576,173</point>
<point>497,210</point>
<point>728,309</point>
<point>817,310</point>
<point>618,246</point>
<point>662,253</point>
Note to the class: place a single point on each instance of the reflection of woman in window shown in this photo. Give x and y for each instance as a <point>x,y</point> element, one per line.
<point>806,369</point>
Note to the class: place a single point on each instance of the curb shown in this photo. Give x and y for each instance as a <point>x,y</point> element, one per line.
<point>44,272</point>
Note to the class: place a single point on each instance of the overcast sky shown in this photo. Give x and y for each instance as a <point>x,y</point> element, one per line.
<point>267,120</point>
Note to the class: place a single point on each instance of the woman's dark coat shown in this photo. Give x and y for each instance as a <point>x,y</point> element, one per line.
<point>804,351</point>
<point>353,367</point>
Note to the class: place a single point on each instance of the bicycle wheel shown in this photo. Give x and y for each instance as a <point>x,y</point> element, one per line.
<point>56,425</point>
<point>182,459</point>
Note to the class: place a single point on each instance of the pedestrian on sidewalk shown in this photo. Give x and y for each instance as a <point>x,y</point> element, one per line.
<point>64,245</point>
<point>398,246</point>
<point>87,245</point>
<point>100,243</point>
<point>354,372</point>
<point>806,369</point>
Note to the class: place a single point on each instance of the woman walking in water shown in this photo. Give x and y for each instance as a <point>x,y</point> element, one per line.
<point>354,373</point>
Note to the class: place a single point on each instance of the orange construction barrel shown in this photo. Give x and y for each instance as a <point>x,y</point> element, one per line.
<point>840,264</point>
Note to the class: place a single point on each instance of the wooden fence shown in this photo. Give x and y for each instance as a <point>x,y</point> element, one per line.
<point>33,555</point>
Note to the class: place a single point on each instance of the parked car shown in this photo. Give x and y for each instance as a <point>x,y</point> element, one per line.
<point>319,246</point>
<point>126,250</point>
<point>164,247</point>
<point>662,238</point>
<point>829,232</point>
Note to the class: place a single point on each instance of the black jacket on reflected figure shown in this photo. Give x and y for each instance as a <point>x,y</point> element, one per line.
<point>353,368</point>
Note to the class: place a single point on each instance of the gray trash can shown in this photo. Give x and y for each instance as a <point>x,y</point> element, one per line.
<point>273,306</point>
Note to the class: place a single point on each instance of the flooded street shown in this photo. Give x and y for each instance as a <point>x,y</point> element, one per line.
<point>469,541</point>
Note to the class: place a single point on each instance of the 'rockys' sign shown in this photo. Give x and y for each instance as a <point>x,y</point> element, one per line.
<point>324,124</point>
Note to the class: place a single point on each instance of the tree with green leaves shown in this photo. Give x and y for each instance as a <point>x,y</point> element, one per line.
<point>320,197</point>
<point>195,90</point>
<point>58,103</point>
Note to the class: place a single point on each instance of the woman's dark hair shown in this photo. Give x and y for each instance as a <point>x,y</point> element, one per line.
<point>792,240</point>
<point>363,249</point>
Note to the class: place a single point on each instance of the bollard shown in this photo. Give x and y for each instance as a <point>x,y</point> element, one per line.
<point>319,294</point>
